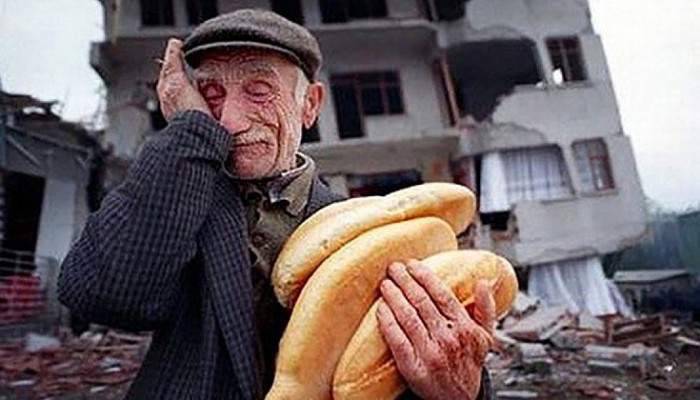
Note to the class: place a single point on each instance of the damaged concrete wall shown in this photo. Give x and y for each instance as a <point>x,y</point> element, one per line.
<point>588,224</point>
<point>551,112</point>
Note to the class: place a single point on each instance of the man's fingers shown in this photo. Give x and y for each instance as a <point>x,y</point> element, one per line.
<point>416,295</point>
<point>445,300</point>
<point>172,59</point>
<point>173,53</point>
<point>484,306</point>
<point>394,336</point>
<point>406,316</point>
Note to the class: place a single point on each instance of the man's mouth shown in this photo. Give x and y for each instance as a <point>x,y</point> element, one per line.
<point>248,144</point>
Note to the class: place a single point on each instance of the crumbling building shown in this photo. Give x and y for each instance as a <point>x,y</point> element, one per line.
<point>512,98</point>
<point>45,170</point>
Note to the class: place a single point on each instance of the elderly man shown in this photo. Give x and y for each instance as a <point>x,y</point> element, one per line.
<point>184,246</point>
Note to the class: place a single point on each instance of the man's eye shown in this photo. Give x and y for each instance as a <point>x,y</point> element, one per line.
<point>258,89</point>
<point>212,91</point>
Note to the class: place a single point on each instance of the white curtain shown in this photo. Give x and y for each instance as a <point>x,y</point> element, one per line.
<point>494,188</point>
<point>578,284</point>
<point>536,174</point>
<point>525,174</point>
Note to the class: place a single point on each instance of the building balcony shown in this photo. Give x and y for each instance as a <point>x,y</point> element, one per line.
<point>400,152</point>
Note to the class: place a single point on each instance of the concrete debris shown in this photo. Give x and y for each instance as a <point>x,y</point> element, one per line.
<point>35,342</point>
<point>534,358</point>
<point>587,321</point>
<point>567,340</point>
<point>523,305</point>
<point>516,394</point>
<point>547,352</point>
<point>541,324</point>
<point>41,366</point>
<point>600,367</point>
<point>689,346</point>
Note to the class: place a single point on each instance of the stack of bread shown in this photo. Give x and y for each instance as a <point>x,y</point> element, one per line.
<point>329,272</point>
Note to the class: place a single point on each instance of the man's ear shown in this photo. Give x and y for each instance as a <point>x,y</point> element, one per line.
<point>315,93</point>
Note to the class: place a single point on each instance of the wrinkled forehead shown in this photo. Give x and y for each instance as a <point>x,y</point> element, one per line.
<point>227,64</point>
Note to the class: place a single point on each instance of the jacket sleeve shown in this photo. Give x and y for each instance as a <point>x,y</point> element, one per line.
<point>125,269</point>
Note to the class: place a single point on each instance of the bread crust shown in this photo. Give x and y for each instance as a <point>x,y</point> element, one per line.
<point>327,231</point>
<point>336,298</point>
<point>367,370</point>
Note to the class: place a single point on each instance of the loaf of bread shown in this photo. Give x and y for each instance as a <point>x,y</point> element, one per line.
<point>337,297</point>
<point>327,231</point>
<point>366,369</point>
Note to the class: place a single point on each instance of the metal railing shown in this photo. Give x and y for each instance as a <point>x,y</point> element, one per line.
<point>27,289</point>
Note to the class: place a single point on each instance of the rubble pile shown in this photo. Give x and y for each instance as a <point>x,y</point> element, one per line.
<point>547,352</point>
<point>94,364</point>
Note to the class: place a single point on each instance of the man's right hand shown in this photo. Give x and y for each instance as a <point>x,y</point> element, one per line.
<point>175,91</point>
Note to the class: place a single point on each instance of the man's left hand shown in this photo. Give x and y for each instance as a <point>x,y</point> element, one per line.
<point>438,347</point>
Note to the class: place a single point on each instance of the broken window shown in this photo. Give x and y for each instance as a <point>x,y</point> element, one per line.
<point>593,165</point>
<point>485,72</point>
<point>360,94</point>
<point>157,13</point>
<point>333,11</point>
<point>567,61</point>
<point>381,184</point>
<point>290,9</point>
<point>199,11</point>
<point>512,176</point>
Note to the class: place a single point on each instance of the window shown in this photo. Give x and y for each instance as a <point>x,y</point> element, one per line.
<point>567,62</point>
<point>157,13</point>
<point>361,94</point>
<point>593,165</point>
<point>199,11</point>
<point>513,176</point>
<point>290,9</point>
<point>347,10</point>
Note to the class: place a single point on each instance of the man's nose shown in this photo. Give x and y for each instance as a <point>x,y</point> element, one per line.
<point>233,116</point>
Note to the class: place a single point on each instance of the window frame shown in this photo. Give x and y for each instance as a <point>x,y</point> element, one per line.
<point>167,19</point>
<point>595,154</point>
<point>383,85</point>
<point>342,12</point>
<point>557,43</point>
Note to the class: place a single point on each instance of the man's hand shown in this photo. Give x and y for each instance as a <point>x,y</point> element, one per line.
<point>438,348</point>
<point>175,91</point>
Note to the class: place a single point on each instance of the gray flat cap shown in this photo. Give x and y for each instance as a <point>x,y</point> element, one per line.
<point>259,29</point>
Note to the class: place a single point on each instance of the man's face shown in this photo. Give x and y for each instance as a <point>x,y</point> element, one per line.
<point>262,99</point>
